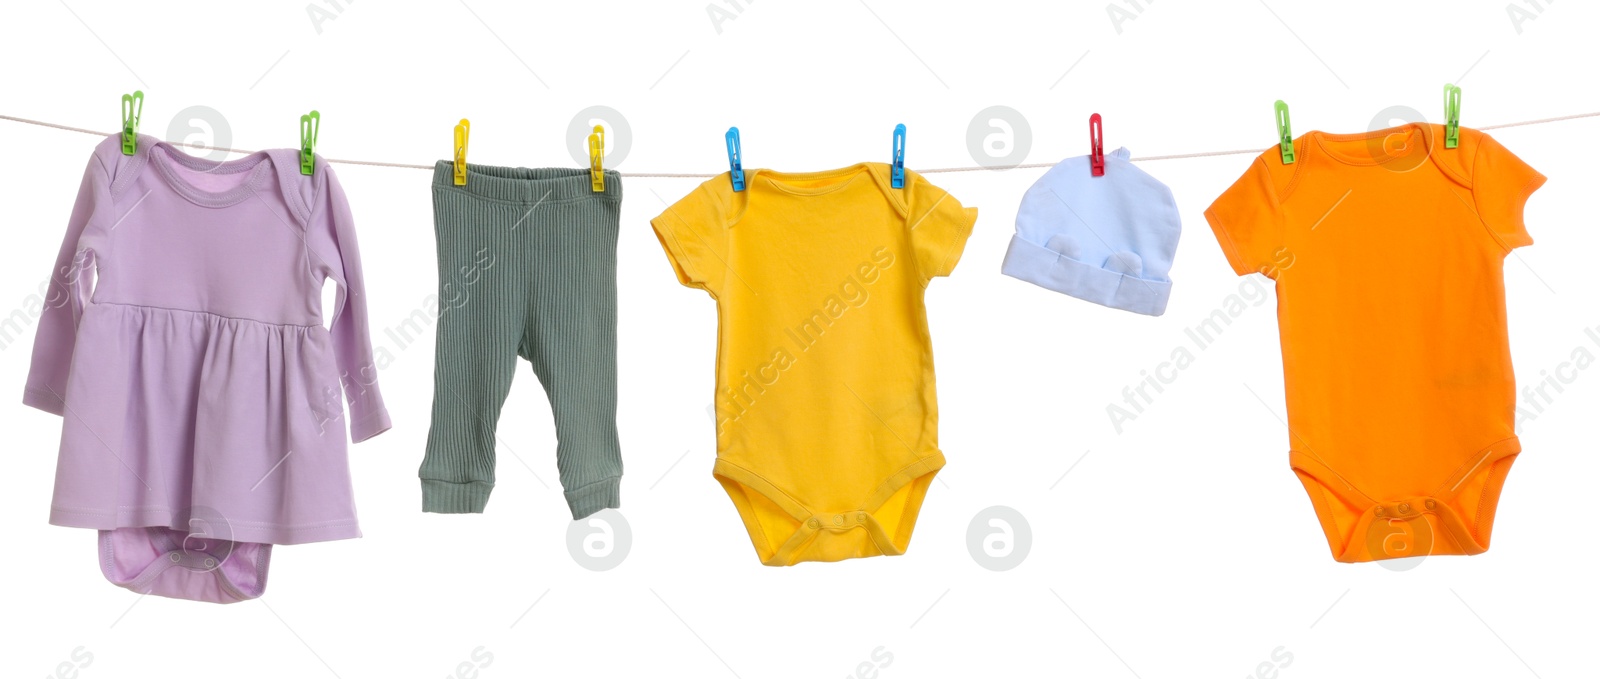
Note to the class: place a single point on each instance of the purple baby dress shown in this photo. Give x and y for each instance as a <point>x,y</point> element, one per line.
<point>183,343</point>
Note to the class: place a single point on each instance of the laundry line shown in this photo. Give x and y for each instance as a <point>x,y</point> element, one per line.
<point>696,175</point>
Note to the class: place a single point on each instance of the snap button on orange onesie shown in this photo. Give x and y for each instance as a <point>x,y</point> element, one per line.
<point>1387,249</point>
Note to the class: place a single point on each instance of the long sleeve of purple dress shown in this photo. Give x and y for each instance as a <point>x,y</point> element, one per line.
<point>64,298</point>
<point>331,243</point>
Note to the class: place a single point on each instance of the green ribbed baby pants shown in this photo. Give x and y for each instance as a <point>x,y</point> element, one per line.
<point>527,267</point>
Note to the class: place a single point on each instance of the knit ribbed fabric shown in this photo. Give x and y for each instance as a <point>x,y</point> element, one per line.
<point>527,267</point>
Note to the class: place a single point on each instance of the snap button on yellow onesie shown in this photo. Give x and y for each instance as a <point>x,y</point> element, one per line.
<point>827,425</point>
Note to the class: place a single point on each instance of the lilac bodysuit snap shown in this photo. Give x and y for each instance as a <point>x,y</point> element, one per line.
<point>183,344</point>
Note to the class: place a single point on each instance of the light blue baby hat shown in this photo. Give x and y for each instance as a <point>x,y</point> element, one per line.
<point>1109,239</point>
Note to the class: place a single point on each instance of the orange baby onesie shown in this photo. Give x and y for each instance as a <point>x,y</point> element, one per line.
<point>1387,249</point>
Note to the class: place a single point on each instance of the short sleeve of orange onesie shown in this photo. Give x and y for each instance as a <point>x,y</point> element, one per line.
<point>827,422</point>
<point>1247,220</point>
<point>1387,250</point>
<point>1501,186</point>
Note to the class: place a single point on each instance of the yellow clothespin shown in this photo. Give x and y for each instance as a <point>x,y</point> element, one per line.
<point>597,156</point>
<point>463,128</point>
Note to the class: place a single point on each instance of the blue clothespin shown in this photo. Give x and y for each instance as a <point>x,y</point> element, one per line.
<point>735,167</point>
<point>897,171</point>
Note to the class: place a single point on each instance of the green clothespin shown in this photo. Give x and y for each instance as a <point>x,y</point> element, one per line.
<point>1452,116</point>
<point>1285,139</point>
<point>132,107</point>
<point>310,123</point>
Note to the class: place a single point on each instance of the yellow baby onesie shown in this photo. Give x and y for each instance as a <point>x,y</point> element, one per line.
<point>827,425</point>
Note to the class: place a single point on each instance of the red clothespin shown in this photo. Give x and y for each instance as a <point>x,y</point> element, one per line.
<point>1097,148</point>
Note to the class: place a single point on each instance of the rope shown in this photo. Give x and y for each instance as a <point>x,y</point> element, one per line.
<point>696,175</point>
<point>1541,121</point>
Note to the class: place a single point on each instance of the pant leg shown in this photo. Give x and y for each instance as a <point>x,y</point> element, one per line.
<point>571,340</point>
<point>483,301</point>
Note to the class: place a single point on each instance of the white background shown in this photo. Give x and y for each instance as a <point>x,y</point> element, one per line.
<point>1182,546</point>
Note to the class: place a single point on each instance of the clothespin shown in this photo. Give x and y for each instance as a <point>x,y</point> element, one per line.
<point>597,156</point>
<point>897,169</point>
<point>310,123</point>
<point>735,164</point>
<point>463,128</point>
<point>132,108</point>
<point>1097,147</point>
<point>1285,138</point>
<point>1452,116</point>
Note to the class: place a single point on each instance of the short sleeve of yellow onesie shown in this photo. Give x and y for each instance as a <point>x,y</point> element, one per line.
<point>827,422</point>
<point>1387,249</point>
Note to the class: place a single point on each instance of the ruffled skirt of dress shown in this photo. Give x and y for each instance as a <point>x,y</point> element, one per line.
<point>194,442</point>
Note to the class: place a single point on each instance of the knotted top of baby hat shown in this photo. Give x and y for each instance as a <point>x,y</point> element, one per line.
<point>1109,240</point>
